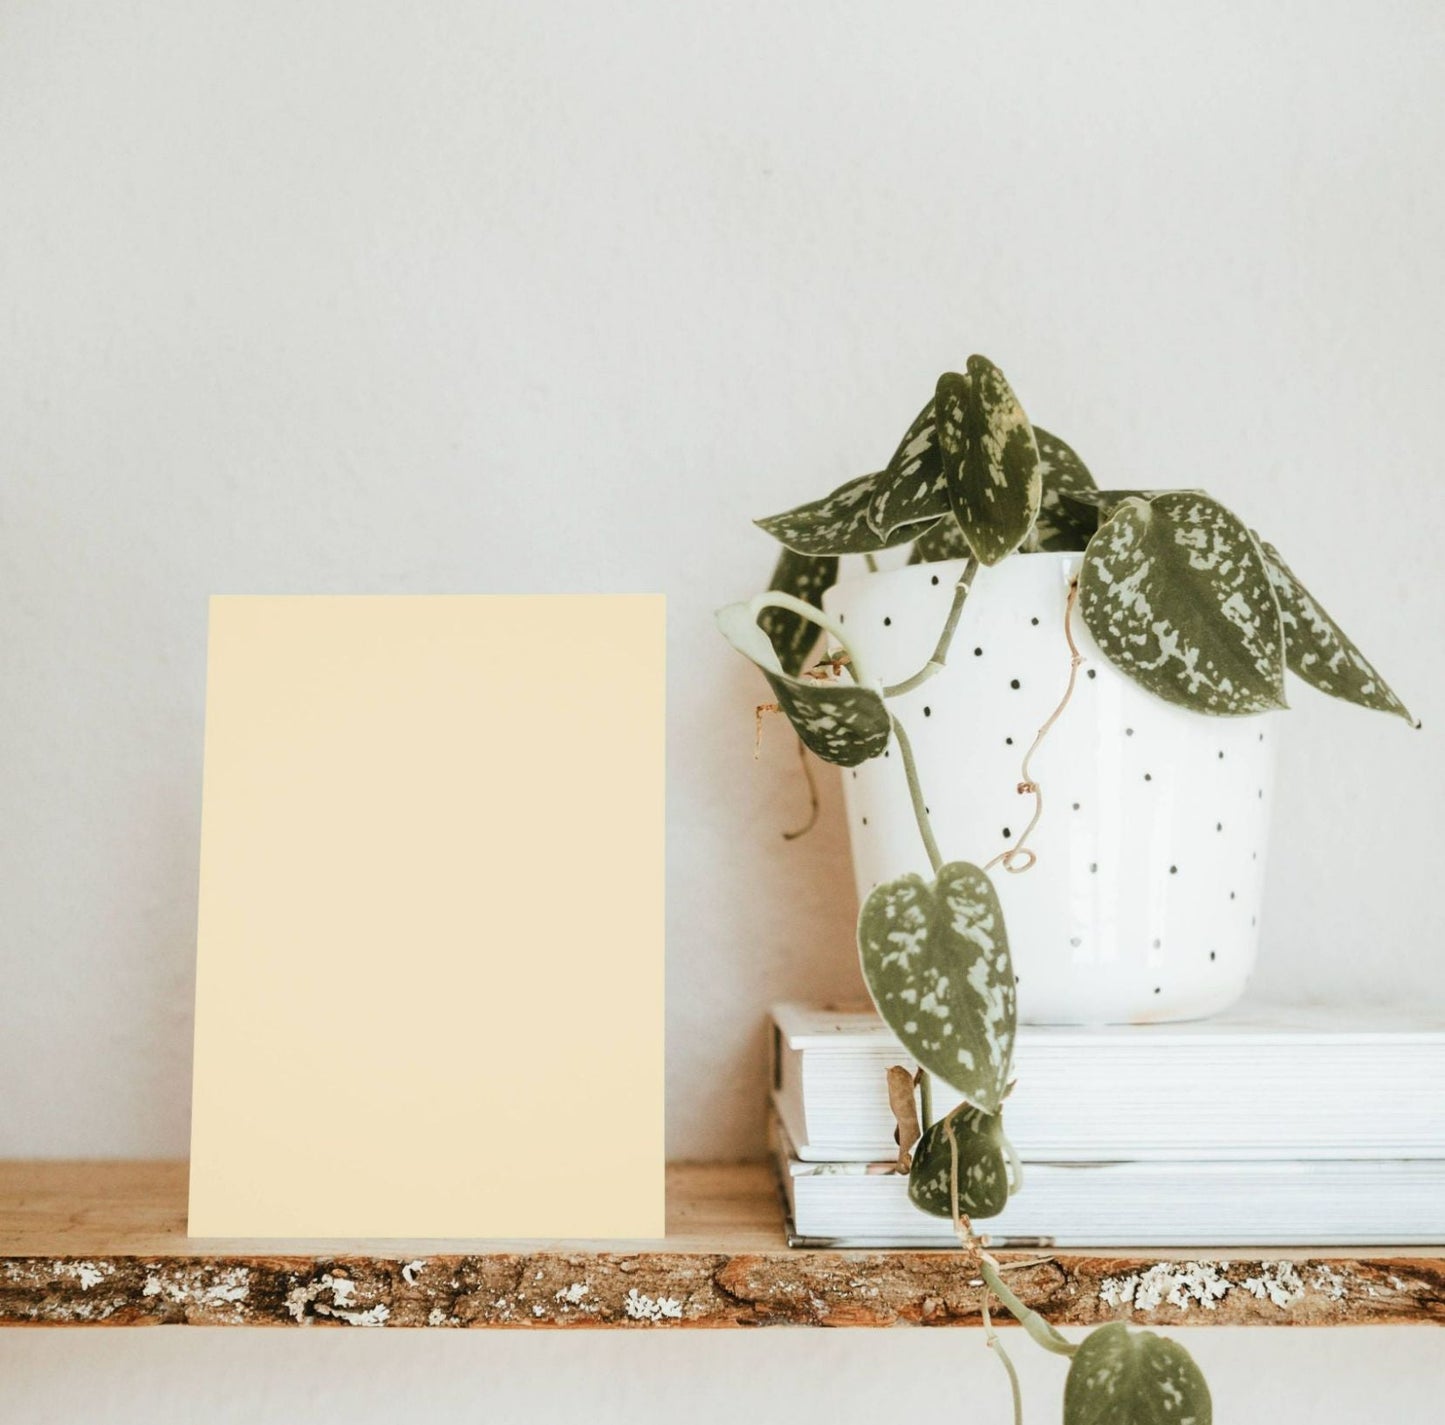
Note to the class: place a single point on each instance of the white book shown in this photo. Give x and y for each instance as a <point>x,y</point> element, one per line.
<point>1255,1083</point>
<point>1340,1202</point>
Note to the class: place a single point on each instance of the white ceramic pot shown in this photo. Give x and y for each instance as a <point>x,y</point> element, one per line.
<point>1144,902</point>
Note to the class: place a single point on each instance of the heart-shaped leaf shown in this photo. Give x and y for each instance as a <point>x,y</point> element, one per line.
<point>990,459</point>
<point>838,523</point>
<point>942,541</point>
<point>1318,650</point>
<point>912,488</point>
<point>1062,526</point>
<point>806,577</point>
<point>1175,591</point>
<point>1124,1377</point>
<point>936,961</point>
<point>843,723</point>
<point>983,1178</point>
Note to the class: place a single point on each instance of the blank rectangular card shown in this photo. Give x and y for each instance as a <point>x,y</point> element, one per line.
<point>429,991</point>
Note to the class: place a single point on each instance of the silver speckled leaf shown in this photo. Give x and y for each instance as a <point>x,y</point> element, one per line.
<point>1062,525</point>
<point>840,722</point>
<point>983,1180</point>
<point>806,577</point>
<point>990,459</point>
<point>1174,590</point>
<point>912,488</point>
<point>943,541</point>
<point>1318,650</point>
<point>838,523</point>
<point>1124,1377</point>
<point>936,961</point>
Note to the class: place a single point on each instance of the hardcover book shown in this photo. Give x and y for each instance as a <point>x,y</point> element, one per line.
<point>1256,1082</point>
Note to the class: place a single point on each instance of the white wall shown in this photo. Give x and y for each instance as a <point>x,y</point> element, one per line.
<point>228,1377</point>
<point>364,297</point>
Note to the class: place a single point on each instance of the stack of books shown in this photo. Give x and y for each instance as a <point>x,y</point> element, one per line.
<point>1309,1127</point>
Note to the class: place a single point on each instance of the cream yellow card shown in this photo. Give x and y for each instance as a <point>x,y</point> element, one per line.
<point>429,993</point>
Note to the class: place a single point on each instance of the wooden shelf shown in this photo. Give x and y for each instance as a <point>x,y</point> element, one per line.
<point>104,1243</point>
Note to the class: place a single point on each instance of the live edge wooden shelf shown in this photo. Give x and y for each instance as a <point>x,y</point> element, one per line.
<point>104,1244</point>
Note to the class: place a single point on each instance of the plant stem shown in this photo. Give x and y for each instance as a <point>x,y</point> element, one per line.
<point>1015,1164</point>
<point>925,1098</point>
<point>1020,856</point>
<point>777,599</point>
<point>945,639</point>
<point>915,790</point>
<point>991,1336</point>
<point>1031,1321</point>
<point>871,562</point>
<point>808,777</point>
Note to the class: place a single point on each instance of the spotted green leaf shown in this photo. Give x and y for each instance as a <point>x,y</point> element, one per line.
<point>1317,649</point>
<point>1175,591</point>
<point>943,541</point>
<point>990,459</point>
<point>1124,1377</point>
<point>912,488</point>
<point>841,722</point>
<point>1061,525</point>
<point>983,1179</point>
<point>838,523</point>
<point>805,576</point>
<point>936,961</point>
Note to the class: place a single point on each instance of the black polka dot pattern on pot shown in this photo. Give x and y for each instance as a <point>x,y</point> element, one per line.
<point>1155,827</point>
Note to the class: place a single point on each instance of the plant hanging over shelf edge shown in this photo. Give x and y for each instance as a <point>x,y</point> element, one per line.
<point>1184,599</point>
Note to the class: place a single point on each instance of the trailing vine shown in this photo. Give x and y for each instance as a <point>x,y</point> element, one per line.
<point>1028,786</point>
<point>1182,598</point>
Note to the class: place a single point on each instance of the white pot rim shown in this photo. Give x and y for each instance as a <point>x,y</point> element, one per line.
<point>906,572</point>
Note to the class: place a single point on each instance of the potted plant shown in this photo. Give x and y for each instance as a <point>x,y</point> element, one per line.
<point>1125,651</point>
